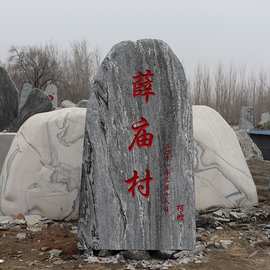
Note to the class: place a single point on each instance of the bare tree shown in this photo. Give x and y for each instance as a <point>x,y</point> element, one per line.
<point>36,65</point>
<point>230,89</point>
<point>79,66</point>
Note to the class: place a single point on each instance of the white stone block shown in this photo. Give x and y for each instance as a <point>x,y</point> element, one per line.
<point>42,172</point>
<point>222,177</point>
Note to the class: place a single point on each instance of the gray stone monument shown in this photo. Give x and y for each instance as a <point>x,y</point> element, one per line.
<point>25,92</point>
<point>36,102</point>
<point>137,177</point>
<point>247,118</point>
<point>51,91</point>
<point>8,100</point>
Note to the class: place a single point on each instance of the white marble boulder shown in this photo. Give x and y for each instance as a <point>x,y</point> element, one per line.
<point>222,177</point>
<point>67,104</point>
<point>42,171</point>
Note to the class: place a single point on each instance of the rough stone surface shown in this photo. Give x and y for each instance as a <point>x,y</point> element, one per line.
<point>5,143</point>
<point>37,102</point>
<point>249,148</point>
<point>25,92</point>
<point>247,118</point>
<point>137,223</point>
<point>41,173</point>
<point>8,100</point>
<point>52,92</point>
<point>260,170</point>
<point>222,177</point>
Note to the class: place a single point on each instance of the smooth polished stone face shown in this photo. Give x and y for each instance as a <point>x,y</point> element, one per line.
<point>137,177</point>
<point>42,171</point>
<point>222,177</point>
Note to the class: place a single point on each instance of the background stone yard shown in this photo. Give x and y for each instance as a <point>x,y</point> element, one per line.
<point>226,239</point>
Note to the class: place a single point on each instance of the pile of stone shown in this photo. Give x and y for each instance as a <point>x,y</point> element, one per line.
<point>34,223</point>
<point>233,218</point>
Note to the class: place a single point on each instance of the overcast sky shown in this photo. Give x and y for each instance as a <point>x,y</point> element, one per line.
<point>199,31</point>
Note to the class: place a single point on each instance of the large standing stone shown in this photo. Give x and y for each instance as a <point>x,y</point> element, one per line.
<point>37,102</point>
<point>8,100</point>
<point>42,170</point>
<point>25,92</point>
<point>52,92</point>
<point>110,217</point>
<point>247,118</point>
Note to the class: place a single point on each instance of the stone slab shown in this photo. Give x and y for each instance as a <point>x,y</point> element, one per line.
<point>116,211</point>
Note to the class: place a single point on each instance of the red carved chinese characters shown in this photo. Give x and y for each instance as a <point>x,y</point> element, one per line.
<point>180,212</point>
<point>143,185</point>
<point>141,138</point>
<point>166,182</point>
<point>142,84</point>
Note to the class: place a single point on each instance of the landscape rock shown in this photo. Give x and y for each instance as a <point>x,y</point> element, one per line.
<point>37,102</point>
<point>265,121</point>
<point>222,177</point>
<point>41,173</point>
<point>67,104</point>
<point>260,170</point>
<point>8,100</point>
<point>25,92</point>
<point>83,103</point>
<point>21,236</point>
<point>247,118</point>
<point>55,253</point>
<point>249,148</point>
<point>138,220</point>
<point>137,255</point>
<point>51,92</point>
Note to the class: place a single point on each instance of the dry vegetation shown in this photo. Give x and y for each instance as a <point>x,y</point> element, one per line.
<point>72,70</point>
<point>227,90</point>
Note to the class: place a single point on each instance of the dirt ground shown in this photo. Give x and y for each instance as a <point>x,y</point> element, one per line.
<point>33,252</point>
<point>250,249</point>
